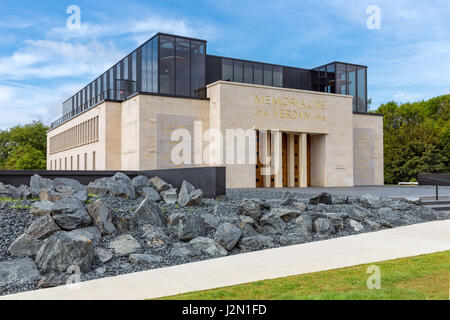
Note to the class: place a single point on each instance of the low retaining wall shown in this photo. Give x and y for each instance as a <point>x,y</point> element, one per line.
<point>424,179</point>
<point>211,180</point>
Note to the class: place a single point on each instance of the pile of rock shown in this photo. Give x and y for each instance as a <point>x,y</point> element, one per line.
<point>117,225</point>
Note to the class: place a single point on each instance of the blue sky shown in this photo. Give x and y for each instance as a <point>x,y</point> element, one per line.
<point>42,62</point>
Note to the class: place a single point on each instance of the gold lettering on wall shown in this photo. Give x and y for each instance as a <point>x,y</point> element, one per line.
<point>290,108</point>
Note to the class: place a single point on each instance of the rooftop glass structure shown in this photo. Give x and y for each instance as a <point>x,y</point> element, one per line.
<point>178,66</point>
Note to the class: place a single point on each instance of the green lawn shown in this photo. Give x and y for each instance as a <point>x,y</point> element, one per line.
<point>421,277</point>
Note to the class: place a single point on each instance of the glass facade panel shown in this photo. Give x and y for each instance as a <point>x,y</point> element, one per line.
<point>198,61</point>
<point>248,72</point>
<point>182,65</point>
<point>341,78</point>
<point>351,76</point>
<point>257,73</point>
<point>238,71</point>
<point>267,75</point>
<point>277,76</point>
<point>133,66</point>
<point>166,64</point>
<point>149,73</point>
<point>330,86</point>
<point>362,94</point>
<point>144,69</point>
<point>227,69</point>
<point>154,65</point>
<point>125,68</point>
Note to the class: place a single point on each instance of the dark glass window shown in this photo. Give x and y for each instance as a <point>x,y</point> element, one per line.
<point>111,84</point>
<point>182,64</point>
<point>258,73</point>
<point>277,76</point>
<point>155,66</point>
<point>248,72</point>
<point>267,75</point>
<point>149,72</point>
<point>362,94</point>
<point>341,78</point>
<point>133,66</point>
<point>198,56</point>
<point>166,64</point>
<point>227,69</point>
<point>351,76</point>
<point>105,85</point>
<point>330,86</point>
<point>144,69</point>
<point>125,69</point>
<point>238,71</point>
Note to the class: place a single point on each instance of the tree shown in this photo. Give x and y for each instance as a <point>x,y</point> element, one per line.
<point>416,138</point>
<point>24,146</point>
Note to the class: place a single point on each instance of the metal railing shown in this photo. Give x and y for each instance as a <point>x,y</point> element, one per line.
<point>437,185</point>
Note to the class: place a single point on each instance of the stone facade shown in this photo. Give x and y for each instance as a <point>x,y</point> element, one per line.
<point>317,132</point>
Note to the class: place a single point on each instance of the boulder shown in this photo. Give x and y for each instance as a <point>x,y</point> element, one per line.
<point>414,200</point>
<point>52,196</point>
<point>337,218</point>
<point>360,214</point>
<point>144,259</point>
<point>101,217</point>
<point>159,184</point>
<point>39,183</point>
<point>225,209</point>
<point>154,236</point>
<point>124,245</point>
<point>151,194</point>
<point>291,239</point>
<point>24,191</point>
<point>304,221</point>
<point>8,191</point>
<point>250,208</point>
<point>255,243</point>
<point>103,255</point>
<point>25,246</point>
<point>69,214</point>
<point>174,218</point>
<point>169,196</point>
<point>53,279</point>
<point>336,199</point>
<point>211,220</point>
<point>73,184</point>
<point>125,224</point>
<point>272,223</point>
<point>372,224</point>
<point>208,246</point>
<point>323,226</point>
<point>18,271</point>
<point>140,182</point>
<point>63,250</point>
<point>190,226</point>
<point>247,230</point>
<point>286,214</point>
<point>252,222</point>
<point>91,233</point>
<point>42,227</point>
<point>119,185</point>
<point>370,201</point>
<point>288,199</point>
<point>324,197</point>
<point>189,196</point>
<point>148,212</point>
<point>41,208</point>
<point>184,250</point>
<point>227,235</point>
<point>356,226</point>
<point>389,215</point>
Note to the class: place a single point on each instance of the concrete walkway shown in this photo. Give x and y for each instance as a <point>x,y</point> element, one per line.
<point>342,252</point>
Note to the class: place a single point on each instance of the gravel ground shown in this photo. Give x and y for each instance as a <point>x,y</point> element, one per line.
<point>15,219</point>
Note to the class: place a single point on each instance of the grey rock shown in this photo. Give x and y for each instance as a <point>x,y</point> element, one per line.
<point>414,200</point>
<point>189,196</point>
<point>100,271</point>
<point>91,233</point>
<point>286,214</point>
<point>304,221</point>
<point>211,220</point>
<point>24,191</point>
<point>8,191</point>
<point>125,224</point>
<point>372,224</point>
<point>169,196</point>
<point>174,218</point>
<point>60,183</point>
<point>144,259</point>
<point>159,184</point>
<point>190,226</point>
<point>184,250</point>
<point>53,279</point>
<point>148,212</point>
<point>140,182</point>
<point>63,250</point>
<point>250,208</point>
<point>52,196</point>
<point>323,226</point>
<point>356,226</point>
<point>124,245</point>
<point>155,236</point>
<point>227,235</point>
<point>119,185</point>
<point>208,246</point>
<point>288,199</point>
<point>324,198</point>
<point>69,214</point>
<point>272,223</point>
<point>389,215</point>
<point>18,271</point>
<point>41,208</point>
<point>42,227</point>
<point>360,214</point>
<point>385,223</point>
<point>103,255</point>
<point>38,183</point>
<point>25,246</point>
<point>247,230</point>
<point>101,217</point>
<point>255,243</point>
<point>291,239</point>
<point>430,215</point>
<point>151,194</point>
<point>337,199</point>
<point>252,222</point>
<point>225,209</point>
<point>370,201</point>
<point>337,218</point>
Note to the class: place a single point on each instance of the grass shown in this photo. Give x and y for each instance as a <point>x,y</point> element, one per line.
<point>421,277</point>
